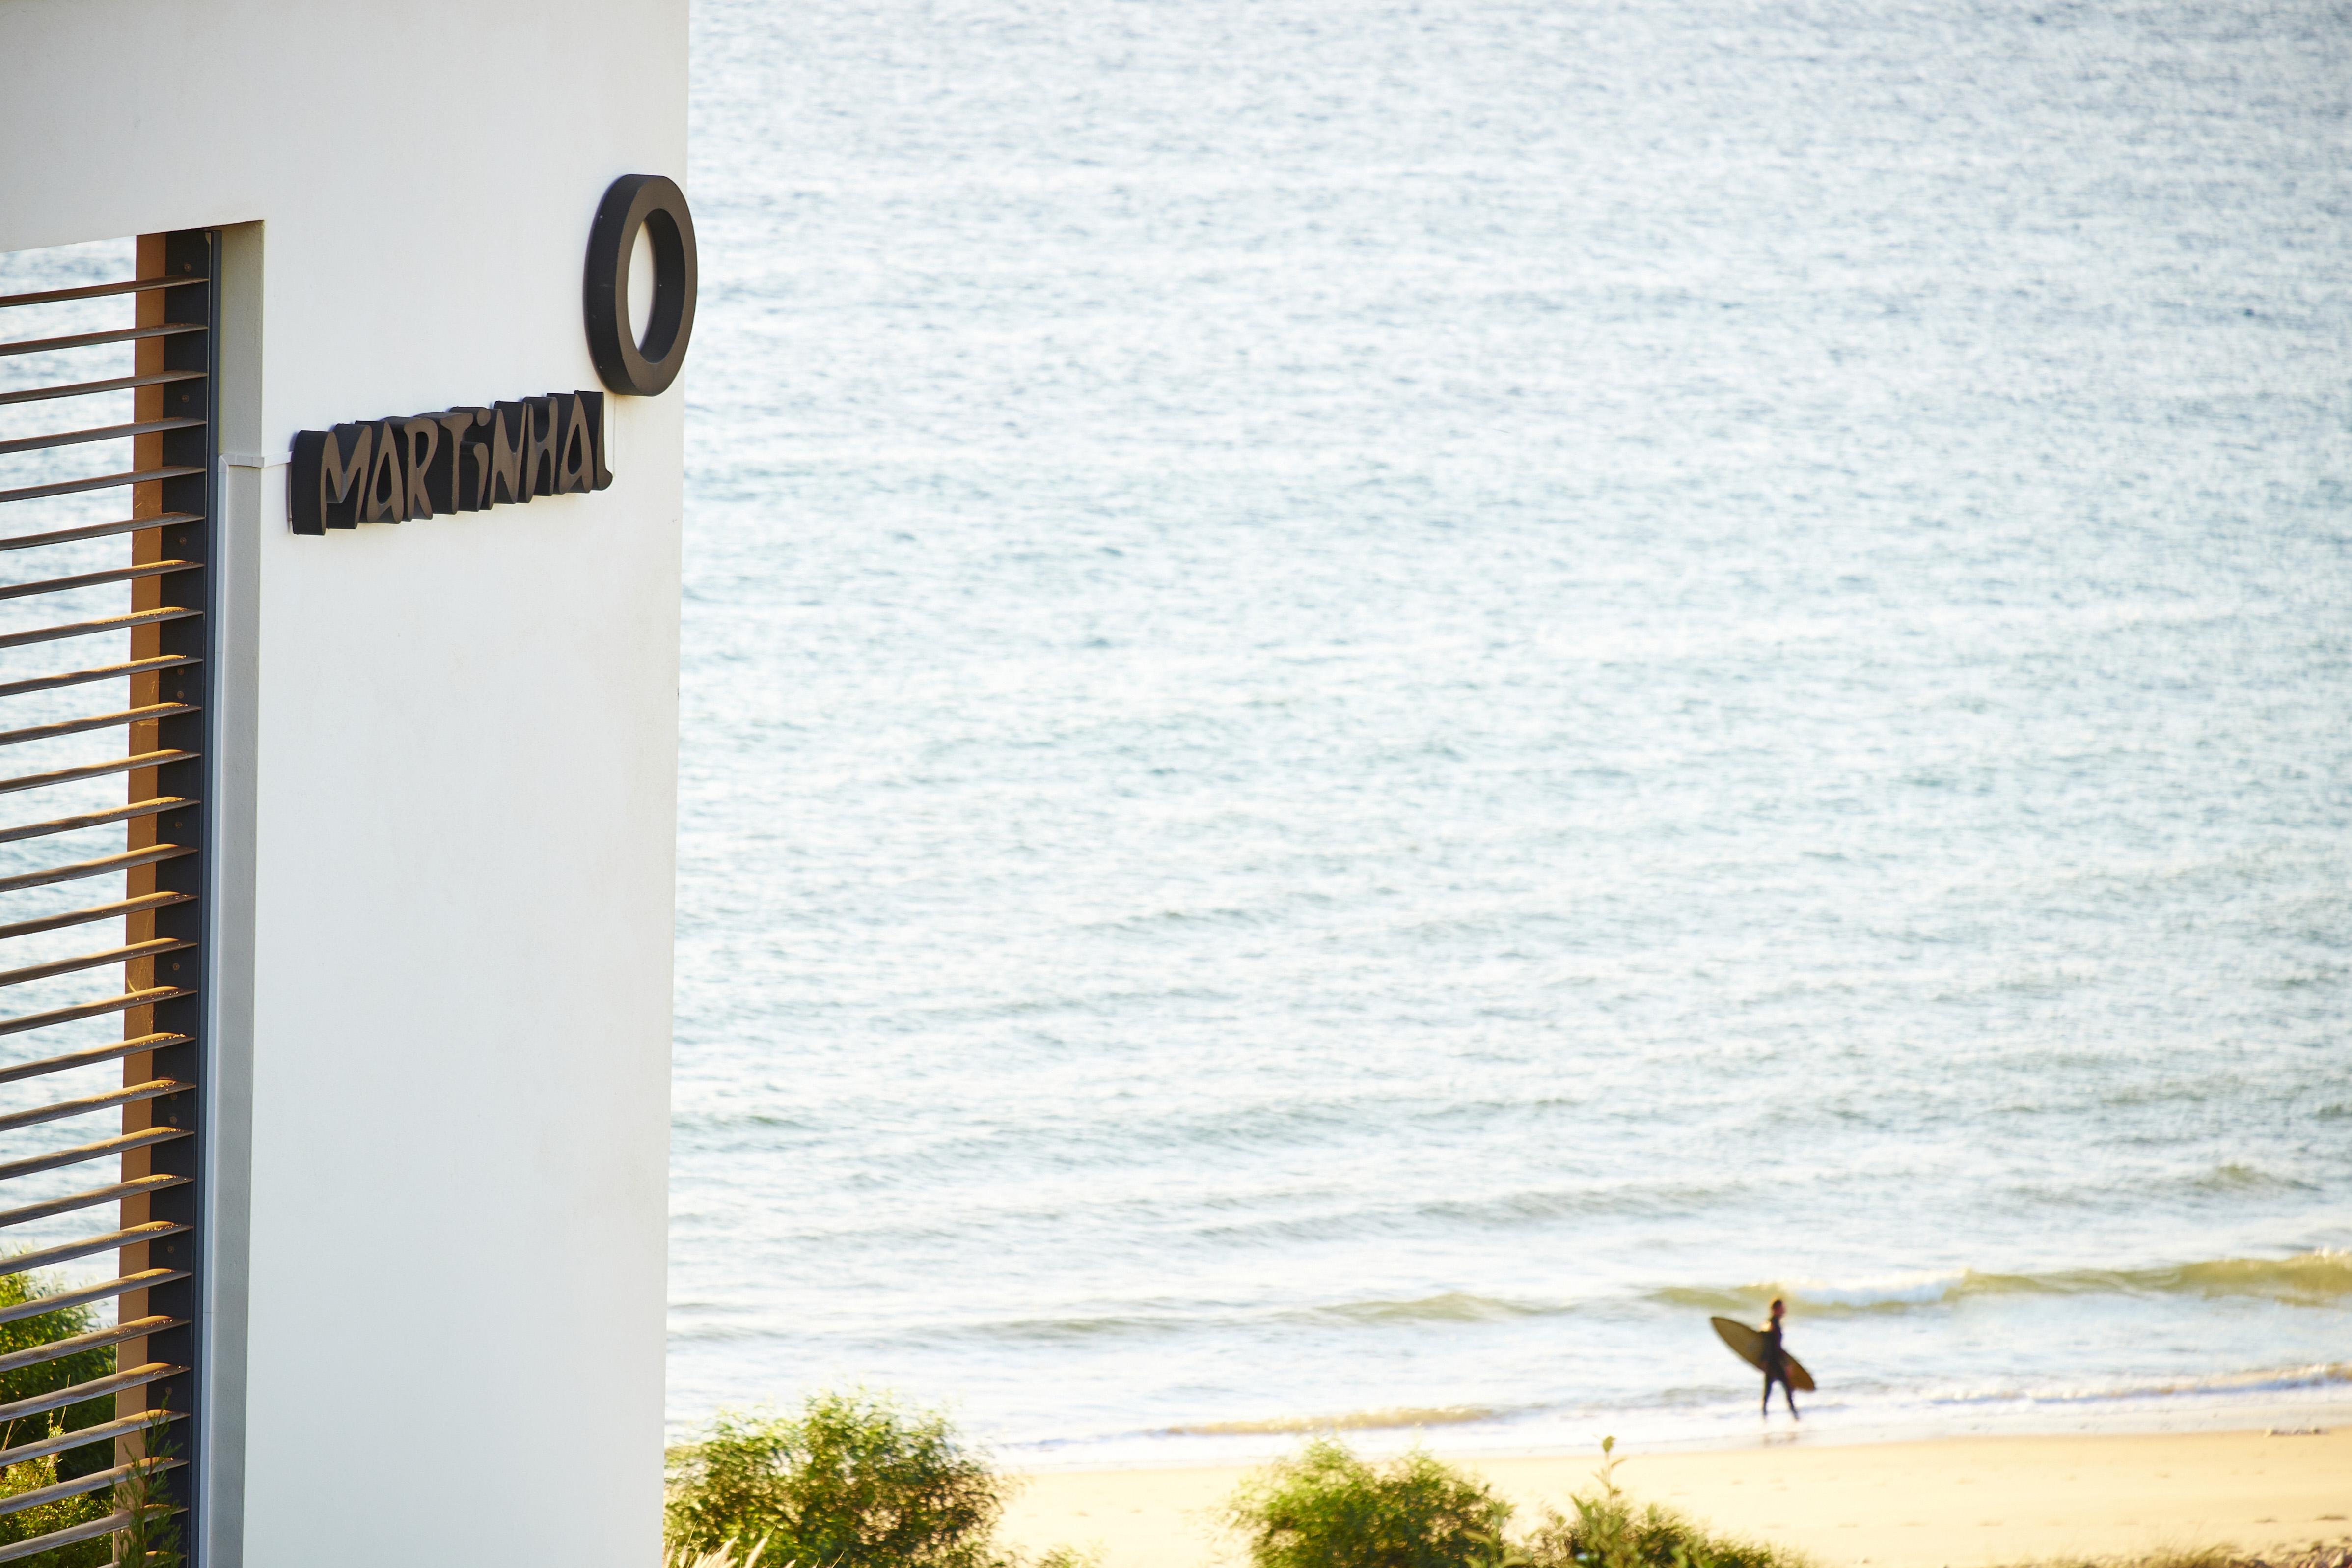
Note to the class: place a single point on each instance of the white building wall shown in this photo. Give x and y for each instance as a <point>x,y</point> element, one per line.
<point>445,901</point>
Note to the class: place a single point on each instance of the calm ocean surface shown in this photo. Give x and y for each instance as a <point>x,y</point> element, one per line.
<point>1380,700</point>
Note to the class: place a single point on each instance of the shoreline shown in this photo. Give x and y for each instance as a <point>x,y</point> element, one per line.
<point>1477,1435</point>
<point>1963,1501</point>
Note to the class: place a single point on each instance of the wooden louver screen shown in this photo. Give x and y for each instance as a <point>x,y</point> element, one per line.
<point>104,662</point>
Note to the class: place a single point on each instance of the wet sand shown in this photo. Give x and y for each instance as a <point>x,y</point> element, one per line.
<point>1961,1501</point>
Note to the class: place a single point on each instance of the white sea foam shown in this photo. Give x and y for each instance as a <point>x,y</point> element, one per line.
<point>1888,1290</point>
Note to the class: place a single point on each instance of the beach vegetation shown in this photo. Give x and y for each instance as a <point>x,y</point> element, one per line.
<point>727,1554</point>
<point>1605,1529</point>
<point>851,1480</point>
<point>1326,1507</point>
<point>2319,1554</point>
<point>152,1537</point>
<point>49,1469</point>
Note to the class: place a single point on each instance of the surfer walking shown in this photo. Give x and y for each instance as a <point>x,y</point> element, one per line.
<point>1776,1362</point>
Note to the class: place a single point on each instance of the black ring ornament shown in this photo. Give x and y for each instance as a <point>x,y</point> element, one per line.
<point>655,204</point>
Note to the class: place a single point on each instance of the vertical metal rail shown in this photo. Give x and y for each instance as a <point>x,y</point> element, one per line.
<point>155,700</point>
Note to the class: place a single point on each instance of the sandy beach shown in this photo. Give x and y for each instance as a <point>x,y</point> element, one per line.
<point>1958,1501</point>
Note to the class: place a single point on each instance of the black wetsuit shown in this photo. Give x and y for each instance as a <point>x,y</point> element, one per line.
<point>1776,1368</point>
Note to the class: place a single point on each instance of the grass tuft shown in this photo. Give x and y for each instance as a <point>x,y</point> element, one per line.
<point>728,1555</point>
<point>1604,1530</point>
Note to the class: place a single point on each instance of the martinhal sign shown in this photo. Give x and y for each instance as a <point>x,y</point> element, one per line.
<point>473,459</point>
<point>429,465</point>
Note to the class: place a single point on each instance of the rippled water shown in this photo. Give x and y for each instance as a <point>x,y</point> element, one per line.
<point>1380,701</point>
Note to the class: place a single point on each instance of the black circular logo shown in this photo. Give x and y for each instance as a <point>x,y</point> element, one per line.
<point>655,204</point>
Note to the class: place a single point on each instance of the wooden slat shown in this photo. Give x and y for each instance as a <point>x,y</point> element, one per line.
<point>145,1279</point>
<point>96,530</point>
<point>95,433</point>
<point>66,1537</point>
<point>94,770</point>
<point>91,340</point>
<point>129,1427</point>
<point>118,1520</point>
<point>97,579</point>
<point>104,1149</point>
<point>96,1340</point>
<point>109,1193</point>
<point>98,1480</point>
<point>95,290</point>
<point>100,483</point>
<point>91,961</point>
<point>59,922</point>
<point>91,388</point>
<point>91,819</point>
<point>153,713</point>
<point>96,1388</point>
<point>67,1251</point>
<point>97,867</point>
<point>90,628</point>
<point>98,1009</point>
<point>129,1094</point>
<point>101,672</point>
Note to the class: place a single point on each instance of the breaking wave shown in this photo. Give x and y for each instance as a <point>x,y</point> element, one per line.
<point>2317,1279</point>
<point>1453,1307</point>
<point>2267,1380</point>
<point>1355,1421</point>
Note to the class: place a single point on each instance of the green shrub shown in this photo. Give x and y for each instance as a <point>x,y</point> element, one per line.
<point>47,1377</point>
<point>852,1482</point>
<point>1327,1509</point>
<point>39,1520</point>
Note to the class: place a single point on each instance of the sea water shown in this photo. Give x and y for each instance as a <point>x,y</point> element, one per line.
<point>1380,701</point>
<point>1383,699</point>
